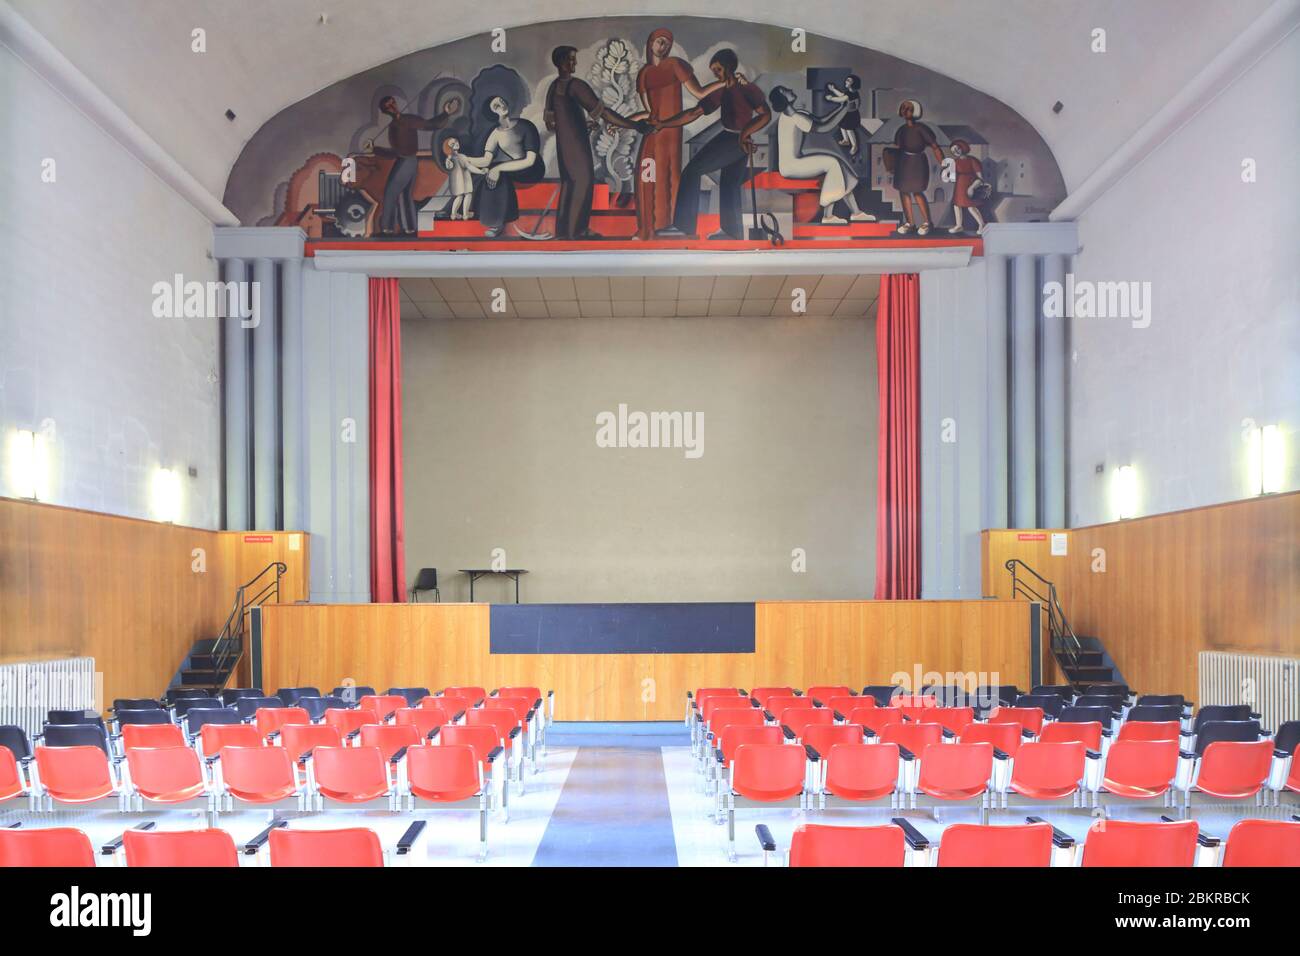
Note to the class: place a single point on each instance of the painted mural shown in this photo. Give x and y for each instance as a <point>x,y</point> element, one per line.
<point>644,133</point>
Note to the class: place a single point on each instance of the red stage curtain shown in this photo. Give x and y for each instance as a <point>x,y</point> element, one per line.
<point>898,484</point>
<point>387,530</point>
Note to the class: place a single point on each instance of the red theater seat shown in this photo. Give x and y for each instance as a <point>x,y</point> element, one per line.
<point>382,704</point>
<point>1149,730</point>
<point>214,737</point>
<point>1088,734</point>
<point>476,695</point>
<point>1140,769</point>
<point>1263,843</point>
<point>50,846</point>
<point>762,695</point>
<point>1048,771</point>
<point>179,848</point>
<point>1029,718</point>
<point>166,774</point>
<point>1005,737</point>
<point>797,719</point>
<point>152,735</point>
<point>423,719</point>
<point>967,844</point>
<point>347,847</point>
<point>258,775</point>
<point>448,773</point>
<point>768,772</point>
<point>955,771</point>
<point>912,736</point>
<point>75,775</point>
<point>301,739</point>
<point>822,737</point>
<point>1126,843</point>
<point>877,719</point>
<point>820,845</point>
<point>1234,770</point>
<point>269,720</point>
<point>12,783</point>
<point>352,775</point>
<point>390,738</point>
<point>348,721</point>
<point>823,693</point>
<point>861,773</point>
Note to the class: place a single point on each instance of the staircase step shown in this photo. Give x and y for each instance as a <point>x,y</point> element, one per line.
<point>1090,659</point>
<point>194,677</point>
<point>1088,674</point>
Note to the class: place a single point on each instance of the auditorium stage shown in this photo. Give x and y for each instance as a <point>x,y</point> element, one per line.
<point>634,662</point>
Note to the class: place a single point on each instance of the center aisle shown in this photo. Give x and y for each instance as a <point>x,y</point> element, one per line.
<point>613,810</point>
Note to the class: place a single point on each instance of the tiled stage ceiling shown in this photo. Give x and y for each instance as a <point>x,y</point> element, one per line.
<point>600,297</point>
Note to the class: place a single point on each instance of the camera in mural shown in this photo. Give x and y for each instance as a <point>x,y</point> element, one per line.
<point>641,133</point>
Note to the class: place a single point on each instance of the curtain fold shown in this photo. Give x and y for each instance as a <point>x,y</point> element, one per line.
<point>387,530</point>
<point>898,484</point>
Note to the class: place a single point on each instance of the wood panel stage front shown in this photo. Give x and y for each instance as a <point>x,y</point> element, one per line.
<point>801,643</point>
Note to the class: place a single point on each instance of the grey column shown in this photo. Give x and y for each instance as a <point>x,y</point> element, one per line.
<point>235,381</point>
<point>291,422</point>
<point>266,402</point>
<point>1024,392</point>
<point>996,345</point>
<point>1052,424</point>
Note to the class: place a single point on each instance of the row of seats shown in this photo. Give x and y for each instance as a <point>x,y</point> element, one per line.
<point>914,754</point>
<point>145,846</point>
<point>1037,843</point>
<point>453,750</point>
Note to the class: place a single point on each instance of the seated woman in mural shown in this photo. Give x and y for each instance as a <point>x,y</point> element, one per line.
<point>911,168</point>
<point>511,156</point>
<point>837,176</point>
<point>659,84</point>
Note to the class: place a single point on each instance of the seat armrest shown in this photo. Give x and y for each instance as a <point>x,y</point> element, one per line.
<point>255,844</point>
<point>1060,839</point>
<point>410,836</point>
<point>1000,754</point>
<point>837,715</point>
<point>396,758</point>
<point>458,717</point>
<point>112,846</point>
<point>514,732</point>
<point>432,733</point>
<point>497,751</point>
<point>1202,838</point>
<point>789,734</point>
<point>767,715</point>
<point>915,838</point>
<point>905,754</point>
<point>948,734</point>
<point>1092,754</point>
<point>812,753</point>
<point>765,839</point>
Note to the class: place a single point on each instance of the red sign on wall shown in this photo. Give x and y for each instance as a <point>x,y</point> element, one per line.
<point>1019,537</point>
<point>258,538</point>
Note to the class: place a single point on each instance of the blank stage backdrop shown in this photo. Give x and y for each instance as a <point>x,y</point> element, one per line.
<point>499,428</point>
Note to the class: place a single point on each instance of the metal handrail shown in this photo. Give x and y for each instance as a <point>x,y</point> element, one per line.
<point>229,644</point>
<point>1063,639</point>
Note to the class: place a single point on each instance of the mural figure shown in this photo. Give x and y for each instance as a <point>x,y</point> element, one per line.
<point>397,216</point>
<point>512,156</point>
<point>462,171</point>
<point>911,168</point>
<point>744,113</point>
<point>837,176</point>
<point>659,84</point>
<point>567,100</point>
<point>969,187</point>
<point>851,121</point>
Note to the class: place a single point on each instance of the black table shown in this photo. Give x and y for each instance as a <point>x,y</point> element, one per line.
<point>476,573</point>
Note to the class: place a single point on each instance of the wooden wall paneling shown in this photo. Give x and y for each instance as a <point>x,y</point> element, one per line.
<point>1223,577</point>
<point>803,643</point>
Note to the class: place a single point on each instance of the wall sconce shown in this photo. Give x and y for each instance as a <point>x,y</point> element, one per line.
<point>1266,465</point>
<point>1126,491</point>
<point>30,465</point>
<point>166,495</point>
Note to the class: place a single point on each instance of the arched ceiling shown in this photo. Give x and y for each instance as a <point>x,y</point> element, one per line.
<point>263,56</point>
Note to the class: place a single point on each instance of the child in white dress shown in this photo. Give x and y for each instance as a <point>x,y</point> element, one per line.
<point>463,169</point>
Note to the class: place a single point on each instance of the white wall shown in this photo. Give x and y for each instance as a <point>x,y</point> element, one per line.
<point>79,346</point>
<point>499,426</point>
<point>1224,340</point>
